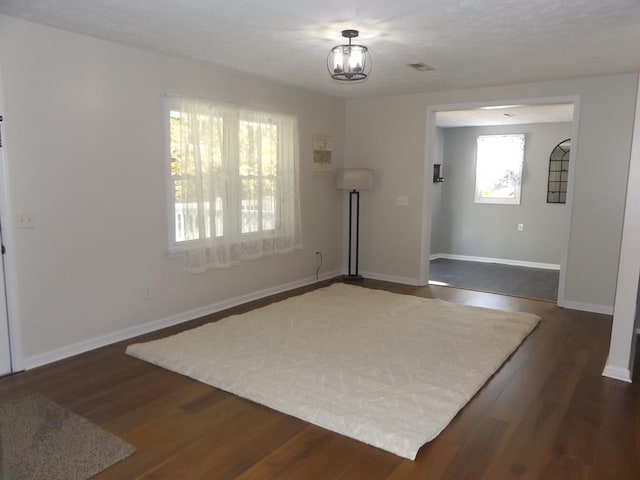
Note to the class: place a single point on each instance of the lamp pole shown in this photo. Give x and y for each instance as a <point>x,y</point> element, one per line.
<point>354,194</point>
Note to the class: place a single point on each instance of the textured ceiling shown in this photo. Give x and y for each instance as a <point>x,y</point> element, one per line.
<point>470,43</point>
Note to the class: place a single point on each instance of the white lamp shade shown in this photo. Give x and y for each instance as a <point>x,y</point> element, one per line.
<point>354,179</point>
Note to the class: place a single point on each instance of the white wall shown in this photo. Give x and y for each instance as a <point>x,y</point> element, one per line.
<point>490,230</point>
<point>85,149</point>
<point>388,134</point>
<point>625,316</point>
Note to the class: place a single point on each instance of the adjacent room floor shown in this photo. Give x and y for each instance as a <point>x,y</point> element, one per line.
<point>526,282</point>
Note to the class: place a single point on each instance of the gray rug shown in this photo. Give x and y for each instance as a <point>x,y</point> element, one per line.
<point>39,439</point>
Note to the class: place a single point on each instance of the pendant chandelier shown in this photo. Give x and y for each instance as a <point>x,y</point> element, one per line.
<point>349,63</point>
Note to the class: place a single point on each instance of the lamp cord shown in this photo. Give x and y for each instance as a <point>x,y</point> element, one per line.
<point>319,265</point>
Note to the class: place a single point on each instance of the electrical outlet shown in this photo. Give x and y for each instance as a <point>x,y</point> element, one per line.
<point>521,227</point>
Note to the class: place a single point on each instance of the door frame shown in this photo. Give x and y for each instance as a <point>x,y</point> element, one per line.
<point>430,153</point>
<point>6,366</point>
<point>9,258</point>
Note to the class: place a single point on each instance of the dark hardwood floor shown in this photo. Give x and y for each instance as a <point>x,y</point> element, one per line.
<point>547,413</point>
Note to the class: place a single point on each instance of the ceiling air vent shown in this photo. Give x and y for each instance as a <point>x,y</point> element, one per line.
<point>421,67</point>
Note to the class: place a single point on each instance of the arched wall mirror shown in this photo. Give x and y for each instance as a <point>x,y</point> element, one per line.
<point>559,172</point>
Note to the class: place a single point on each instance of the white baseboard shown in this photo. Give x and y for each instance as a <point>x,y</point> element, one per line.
<point>103,340</point>
<point>503,261</point>
<point>586,307</point>
<point>617,373</point>
<point>391,278</point>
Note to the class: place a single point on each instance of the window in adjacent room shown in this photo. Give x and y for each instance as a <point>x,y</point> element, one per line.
<point>234,183</point>
<point>499,163</point>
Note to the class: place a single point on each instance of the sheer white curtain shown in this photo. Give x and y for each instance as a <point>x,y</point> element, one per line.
<point>235,183</point>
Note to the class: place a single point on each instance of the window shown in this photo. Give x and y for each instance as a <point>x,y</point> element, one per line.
<point>234,183</point>
<point>499,164</point>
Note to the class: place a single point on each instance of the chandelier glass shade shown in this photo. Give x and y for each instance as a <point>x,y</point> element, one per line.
<point>350,62</point>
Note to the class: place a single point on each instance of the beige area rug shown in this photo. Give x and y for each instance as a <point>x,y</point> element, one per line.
<point>386,369</point>
<point>41,440</point>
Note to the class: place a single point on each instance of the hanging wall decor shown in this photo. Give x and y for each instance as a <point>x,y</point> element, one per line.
<point>322,153</point>
<point>559,172</point>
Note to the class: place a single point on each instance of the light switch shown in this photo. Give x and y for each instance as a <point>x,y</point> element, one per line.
<point>402,201</point>
<point>26,221</point>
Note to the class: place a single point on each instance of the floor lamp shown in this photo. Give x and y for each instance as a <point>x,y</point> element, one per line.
<point>354,180</point>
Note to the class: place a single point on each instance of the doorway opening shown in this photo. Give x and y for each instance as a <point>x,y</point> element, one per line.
<point>517,244</point>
